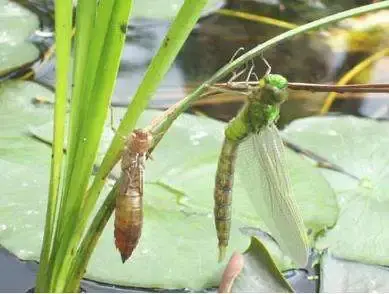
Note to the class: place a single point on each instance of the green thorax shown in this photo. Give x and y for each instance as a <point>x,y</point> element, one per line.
<point>261,109</point>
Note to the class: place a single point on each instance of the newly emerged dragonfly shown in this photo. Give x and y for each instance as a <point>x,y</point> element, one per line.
<point>129,202</point>
<point>254,140</point>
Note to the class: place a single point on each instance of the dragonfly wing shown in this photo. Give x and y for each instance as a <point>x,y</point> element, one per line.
<point>262,169</point>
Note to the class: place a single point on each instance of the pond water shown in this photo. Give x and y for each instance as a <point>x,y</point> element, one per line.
<point>322,57</point>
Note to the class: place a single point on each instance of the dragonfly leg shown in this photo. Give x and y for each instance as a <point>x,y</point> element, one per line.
<point>251,73</point>
<point>235,74</point>
<point>235,54</point>
<point>149,156</point>
<point>268,70</point>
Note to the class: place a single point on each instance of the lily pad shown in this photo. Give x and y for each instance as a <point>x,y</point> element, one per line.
<point>17,23</point>
<point>360,147</point>
<point>24,165</point>
<point>342,276</point>
<point>259,273</point>
<point>178,238</point>
<point>18,112</point>
<point>165,9</point>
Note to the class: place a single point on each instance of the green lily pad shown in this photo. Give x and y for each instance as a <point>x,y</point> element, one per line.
<point>259,273</point>
<point>17,23</point>
<point>360,147</point>
<point>342,276</point>
<point>24,165</point>
<point>165,9</point>
<point>18,112</point>
<point>178,238</point>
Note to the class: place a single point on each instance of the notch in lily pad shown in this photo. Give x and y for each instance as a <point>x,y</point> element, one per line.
<point>254,271</point>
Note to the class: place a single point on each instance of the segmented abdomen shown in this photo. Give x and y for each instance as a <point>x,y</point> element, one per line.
<point>223,193</point>
<point>129,204</point>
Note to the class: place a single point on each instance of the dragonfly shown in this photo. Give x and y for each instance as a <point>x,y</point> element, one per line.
<point>253,138</point>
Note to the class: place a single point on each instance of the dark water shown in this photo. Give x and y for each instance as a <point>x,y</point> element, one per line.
<point>19,276</point>
<point>306,58</point>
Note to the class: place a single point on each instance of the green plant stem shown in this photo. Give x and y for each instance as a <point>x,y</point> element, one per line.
<point>89,242</point>
<point>63,28</point>
<point>85,19</point>
<point>92,130</point>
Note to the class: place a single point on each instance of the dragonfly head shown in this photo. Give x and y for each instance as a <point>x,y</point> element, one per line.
<point>274,89</point>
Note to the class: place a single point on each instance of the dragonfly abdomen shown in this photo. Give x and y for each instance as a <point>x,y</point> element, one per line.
<point>129,202</point>
<point>223,193</point>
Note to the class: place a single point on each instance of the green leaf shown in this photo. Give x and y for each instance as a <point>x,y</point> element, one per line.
<point>342,276</point>
<point>17,24</point>
<point>259,273</point>
<point>359,146</point>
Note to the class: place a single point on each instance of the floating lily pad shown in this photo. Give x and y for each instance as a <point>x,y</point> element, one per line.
<point>17,24</point>
<point>342,276</point>
<point>178,239</point>
<point>18,112</point>
<point>165,9</point>
<point>24,165</point>
<point>360,147</point>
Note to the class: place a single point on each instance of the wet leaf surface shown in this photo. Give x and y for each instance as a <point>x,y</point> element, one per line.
<point>17,24</point>
<point>342,276</point>
<point>359,146</point>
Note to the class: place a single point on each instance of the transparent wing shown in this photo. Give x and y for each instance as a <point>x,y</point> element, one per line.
<point>262,169</point>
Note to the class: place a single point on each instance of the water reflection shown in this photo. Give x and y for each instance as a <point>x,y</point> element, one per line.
<point>322,56</point>
<point>319,57</point>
